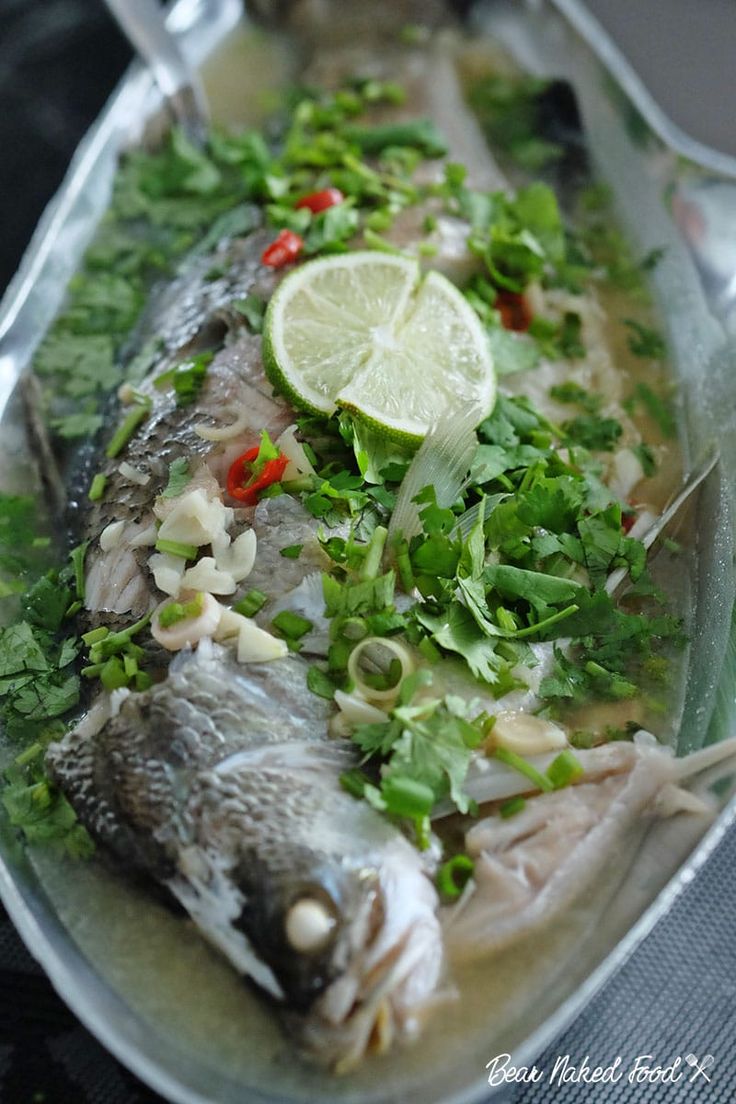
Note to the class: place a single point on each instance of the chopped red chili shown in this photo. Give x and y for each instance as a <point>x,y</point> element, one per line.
<point>283,250</point>
<point>514,311</point>
<point>627,520</point>
<point>244,484</point>
<point>320,201</point>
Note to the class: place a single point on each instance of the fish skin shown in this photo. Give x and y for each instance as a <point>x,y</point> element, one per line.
<point>222,783</point>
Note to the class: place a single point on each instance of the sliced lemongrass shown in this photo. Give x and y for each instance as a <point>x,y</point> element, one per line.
<point>368,652</point>
<point>525,734</point>
<point>188,630</point>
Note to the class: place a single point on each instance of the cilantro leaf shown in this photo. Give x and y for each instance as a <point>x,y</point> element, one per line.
<point>644,341</point>
<point>179,477</point>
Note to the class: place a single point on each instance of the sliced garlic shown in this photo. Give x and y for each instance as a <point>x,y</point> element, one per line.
<point>526,734</point>
<point>134,475</point>
<point>190,630</point>
<point>205,575</point>
<point>299,463</point>
<point>195,519</point>
<point>230,625</point>
<point>626,470</point>
<point>145,538</point>
<point>111,536</point>
<point>238,558</point>
<point>357,710</point>
<point>167,572</point>
<point>255,645</point>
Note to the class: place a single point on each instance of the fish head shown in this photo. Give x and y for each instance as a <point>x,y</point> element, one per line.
<point>388,960</point>
<point>355,946</point>
<point>334,901</point>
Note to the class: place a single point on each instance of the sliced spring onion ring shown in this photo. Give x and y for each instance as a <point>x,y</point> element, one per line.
<point>454,875</point>
<point>362,651</point>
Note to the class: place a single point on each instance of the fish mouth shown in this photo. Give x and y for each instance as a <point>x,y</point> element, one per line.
<point>379,999</point>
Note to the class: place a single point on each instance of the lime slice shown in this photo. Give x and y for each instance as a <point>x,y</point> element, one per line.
<point>366,333</point>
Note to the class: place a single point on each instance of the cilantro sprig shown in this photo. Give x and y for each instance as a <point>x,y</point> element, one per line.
<point>425,749</point>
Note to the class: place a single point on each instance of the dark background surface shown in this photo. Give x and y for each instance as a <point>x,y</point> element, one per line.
<point>59,59</point>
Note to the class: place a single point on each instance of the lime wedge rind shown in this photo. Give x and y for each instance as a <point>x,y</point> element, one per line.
<point>364,332</point>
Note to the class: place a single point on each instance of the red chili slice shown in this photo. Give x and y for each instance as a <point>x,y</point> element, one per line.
<point>285,249</point>
<point>627,520</point>
<point>320,201</point>
<point>241,483</point>
<point>514,311</point>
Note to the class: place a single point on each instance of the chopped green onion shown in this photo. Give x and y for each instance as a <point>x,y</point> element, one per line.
<point>383,245</point>
<point>97,487</point>
<point>292,551</point>
<point>372,562</point>
<point>291,625</point>
<point>95,635</point>
<point>77,557</point>
<point>511,807</point>
<point>93,670</point>
<point>187,378</point>
<point>29,754</point>
<point>176,548</point>
<point>354,628</point>
<point>180,611</point>
<point>112,675</point>
<point>130,666</point>
<point>422,134</point>
<point>454,875</point>
<point>564,770</point>
<point>518,763</point>
<point>403,563</point>
<point>407,798</point>
<point>115,642</point>
<point>320,683</point>
<point>126,429</point>
<point>250,603</point>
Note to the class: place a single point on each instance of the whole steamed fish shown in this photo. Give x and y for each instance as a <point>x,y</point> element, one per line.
<point>223,779</point>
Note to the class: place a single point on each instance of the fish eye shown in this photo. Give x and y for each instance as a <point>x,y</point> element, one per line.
<point>309,924</point>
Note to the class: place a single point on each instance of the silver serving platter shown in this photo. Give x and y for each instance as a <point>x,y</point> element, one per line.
<point>138,977</point>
